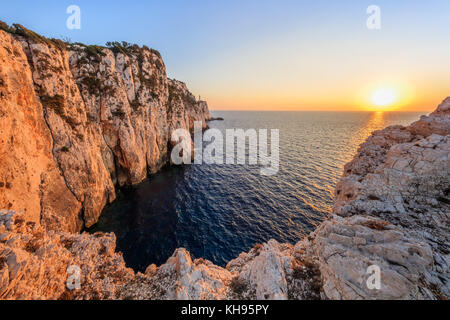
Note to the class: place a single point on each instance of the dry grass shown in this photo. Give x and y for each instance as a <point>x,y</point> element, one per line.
<point>377,225</point>
<point>238,286</point>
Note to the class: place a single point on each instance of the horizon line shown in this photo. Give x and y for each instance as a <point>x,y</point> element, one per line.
<point>285,110</point>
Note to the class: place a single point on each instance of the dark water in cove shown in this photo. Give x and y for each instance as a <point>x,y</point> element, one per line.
<point>219,211</point>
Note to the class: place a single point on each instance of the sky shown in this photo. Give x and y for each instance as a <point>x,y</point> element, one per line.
<point>274,54</point>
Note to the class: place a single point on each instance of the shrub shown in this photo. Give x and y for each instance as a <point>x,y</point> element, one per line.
<point>95,52</point>
<point>44,65</point>
<point>189,98</point>
<point>135,104</point>
<point>124,47</point>
<point>119,113</point>
<point>20,30</point>
<point>238,286</point>
<point>173,94</point>
<point>61,45</point>
<point>5,27</point>
<point>149,81</point>
<point>55,103</point>
<point>92,83</point>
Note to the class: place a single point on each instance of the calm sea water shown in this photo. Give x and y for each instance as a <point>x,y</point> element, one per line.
<point>219,211</point>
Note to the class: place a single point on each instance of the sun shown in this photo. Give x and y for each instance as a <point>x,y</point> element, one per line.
<point>384,97</point>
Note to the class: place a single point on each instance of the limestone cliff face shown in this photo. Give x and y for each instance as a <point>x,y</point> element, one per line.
<point>78,120</point>
<point>30,177</point>
<point>392,210</point>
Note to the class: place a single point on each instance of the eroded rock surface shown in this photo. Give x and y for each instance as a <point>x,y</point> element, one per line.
<point>34,263</point>
<point>78,120</point>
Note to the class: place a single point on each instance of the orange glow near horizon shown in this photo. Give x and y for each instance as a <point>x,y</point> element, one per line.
<point>379,97</point>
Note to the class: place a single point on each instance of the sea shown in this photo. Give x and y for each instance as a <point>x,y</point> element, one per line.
<point>217,211</point>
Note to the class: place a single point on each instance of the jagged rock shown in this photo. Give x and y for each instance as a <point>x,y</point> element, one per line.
<point>198,279</point>
<point>347,247</point>
<point>34,263</point>
<point>265,273</point>
<point>435,123</point>
<point>406,185</point>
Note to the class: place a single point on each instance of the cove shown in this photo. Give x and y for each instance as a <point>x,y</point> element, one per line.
<point>144,219</point>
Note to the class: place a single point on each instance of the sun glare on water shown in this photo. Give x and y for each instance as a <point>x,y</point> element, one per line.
<point>384,98</point>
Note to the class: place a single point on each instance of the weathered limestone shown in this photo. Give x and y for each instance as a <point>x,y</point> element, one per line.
<point>78,120</point>
<point>393,213</point>
<point>30,178</point>
<point>34,262</point>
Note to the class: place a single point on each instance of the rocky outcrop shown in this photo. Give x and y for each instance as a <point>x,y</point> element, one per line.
<point>35,263</point>
<point>78,121</point>
<point>30,177</point>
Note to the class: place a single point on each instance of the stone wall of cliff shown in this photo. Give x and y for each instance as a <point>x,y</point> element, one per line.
<point>77,121</point>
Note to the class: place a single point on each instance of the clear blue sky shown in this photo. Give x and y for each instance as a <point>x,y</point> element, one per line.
<point>250,53</point>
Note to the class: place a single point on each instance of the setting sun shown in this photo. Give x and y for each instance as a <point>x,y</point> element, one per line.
<point>384,97</point>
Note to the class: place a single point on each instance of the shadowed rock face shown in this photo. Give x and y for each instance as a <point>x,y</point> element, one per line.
<point>77,121</point>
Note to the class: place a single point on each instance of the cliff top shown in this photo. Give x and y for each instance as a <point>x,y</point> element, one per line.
<point>115,46</point>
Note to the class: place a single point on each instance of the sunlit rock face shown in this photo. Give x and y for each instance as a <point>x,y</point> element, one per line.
<point>400,178</point>
<point>30,176</point>
<point>34,263</point>
<point>77,121</point>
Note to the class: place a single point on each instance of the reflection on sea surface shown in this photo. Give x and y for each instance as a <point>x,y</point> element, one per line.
<point>376,121</point>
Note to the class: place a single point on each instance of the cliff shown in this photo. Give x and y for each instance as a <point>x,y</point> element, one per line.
<point>78,121</point>
<point>63,157</point>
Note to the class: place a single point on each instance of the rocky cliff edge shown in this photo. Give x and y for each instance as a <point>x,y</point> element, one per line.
<point>78,121</point>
